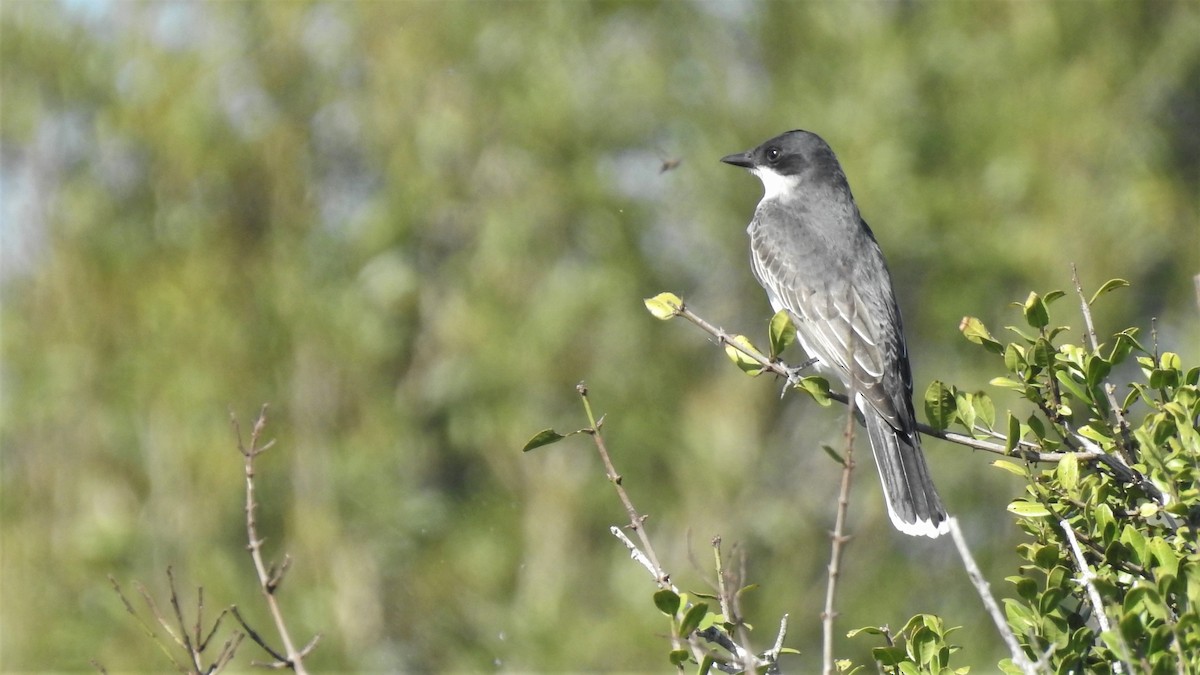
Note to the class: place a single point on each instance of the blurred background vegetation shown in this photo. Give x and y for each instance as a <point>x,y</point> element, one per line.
<point>413,227</point>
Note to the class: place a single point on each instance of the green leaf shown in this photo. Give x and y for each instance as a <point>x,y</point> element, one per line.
<point>1037,427</point>
<point>1018,616</point>
<point>1105,522</point>
<point>1112,640</point>
<point>924,646</point>
<point>692,619</point>
<point>1101,436</point>
<point>741,359</point>
<point>1097,370</point>
<point>1026,509</point>
<point>544,437</point>
<point>1167,557</point>
<point>940,407</point>
<point>1007,667</point>
<point>965,410</point>
<point>1013,437</point>
<point>1052,296</point>
<point>985,410</point>
<point>1136,541</point>
<point>866,630</point>
<point>667,601</point>
<point>1035,311</point>
<point>1027,337</point>
<point>664,306</point>
<point>1014,358</point>
<point>1110,285</point>
<point>1068,472</point>
<point>1136,391</point>
<point>782,332</point>
<point>817,387</point>
<point>1026,588</point>
<point>1043,353</point>
<point>837,457</point>
<point>706,665</point>
<point>974,330</point>
<point>1047,556</point>
<point>913,623</point>
<point>1015,469</point>
<point>889,656</point>
<point>1064,378</point>
<point>745,589</point>
<point>1124,343</point>
<point>1005,383</point>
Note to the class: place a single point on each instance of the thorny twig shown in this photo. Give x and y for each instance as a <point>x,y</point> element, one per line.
<point>268,578</point>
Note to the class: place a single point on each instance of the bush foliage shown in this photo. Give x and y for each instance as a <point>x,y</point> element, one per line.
<point>1110,580</point>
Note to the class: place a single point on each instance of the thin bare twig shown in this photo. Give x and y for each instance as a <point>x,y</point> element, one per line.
<point>146,628</point>
<point>635,520</point>
<point>989,602</point>
<point>712,634</point>
<point>1126,444</point>
<point>184,638</point>
<point>636,554</point>
<point>268,579</point>
<point>838,537</point>
<point>773,653</point>
<point>744,654</point>
<point>742,657</point>
<point>645,555</point>
<point>195,646</point>
<point>1086,577</point>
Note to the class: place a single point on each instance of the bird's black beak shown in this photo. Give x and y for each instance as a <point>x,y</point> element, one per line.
<point>741,159</point>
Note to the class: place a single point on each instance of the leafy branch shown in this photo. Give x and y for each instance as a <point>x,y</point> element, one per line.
<point>1113,563</point>
<point>695,628</point>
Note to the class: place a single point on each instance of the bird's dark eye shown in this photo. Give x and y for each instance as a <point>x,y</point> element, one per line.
<point>772,154</point>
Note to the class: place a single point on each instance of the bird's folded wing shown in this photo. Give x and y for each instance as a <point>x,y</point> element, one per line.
<point>826,318</point>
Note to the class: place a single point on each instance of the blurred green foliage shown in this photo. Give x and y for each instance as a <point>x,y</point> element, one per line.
<point>413,227</point>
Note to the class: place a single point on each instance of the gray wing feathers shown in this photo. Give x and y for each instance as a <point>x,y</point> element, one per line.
<point>832,296</point>
<point>825,313</point>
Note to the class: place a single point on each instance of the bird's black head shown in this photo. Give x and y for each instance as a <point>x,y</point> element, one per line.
<point>789,154</point>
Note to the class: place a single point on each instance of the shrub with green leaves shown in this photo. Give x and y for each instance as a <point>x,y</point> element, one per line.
<point>1111,580</point>
<point>1112,575</point>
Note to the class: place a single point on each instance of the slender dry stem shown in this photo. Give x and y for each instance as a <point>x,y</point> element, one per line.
<point>644,555</point>
<point>1087,577</point>
<point>268,578</point>
<point>838,537</point>
<point>1126,444</point>
<point>989,602</point>
<point>635,519</point>
<point>193,644</point>
<point>725,579</point>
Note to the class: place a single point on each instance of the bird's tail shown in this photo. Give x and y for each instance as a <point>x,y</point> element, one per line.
<point>912,500</point>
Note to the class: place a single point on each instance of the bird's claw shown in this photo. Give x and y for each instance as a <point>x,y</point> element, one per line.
<point>793,375</point>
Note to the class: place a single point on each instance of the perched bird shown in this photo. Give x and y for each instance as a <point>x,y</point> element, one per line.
<point>815,256</point>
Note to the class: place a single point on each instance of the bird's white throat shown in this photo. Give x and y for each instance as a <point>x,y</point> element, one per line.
<point>775,184</point>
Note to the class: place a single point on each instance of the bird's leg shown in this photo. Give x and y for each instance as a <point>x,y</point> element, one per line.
<point>793,375</point>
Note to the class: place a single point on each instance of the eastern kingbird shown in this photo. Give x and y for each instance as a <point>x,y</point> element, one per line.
<point>815,256</point>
